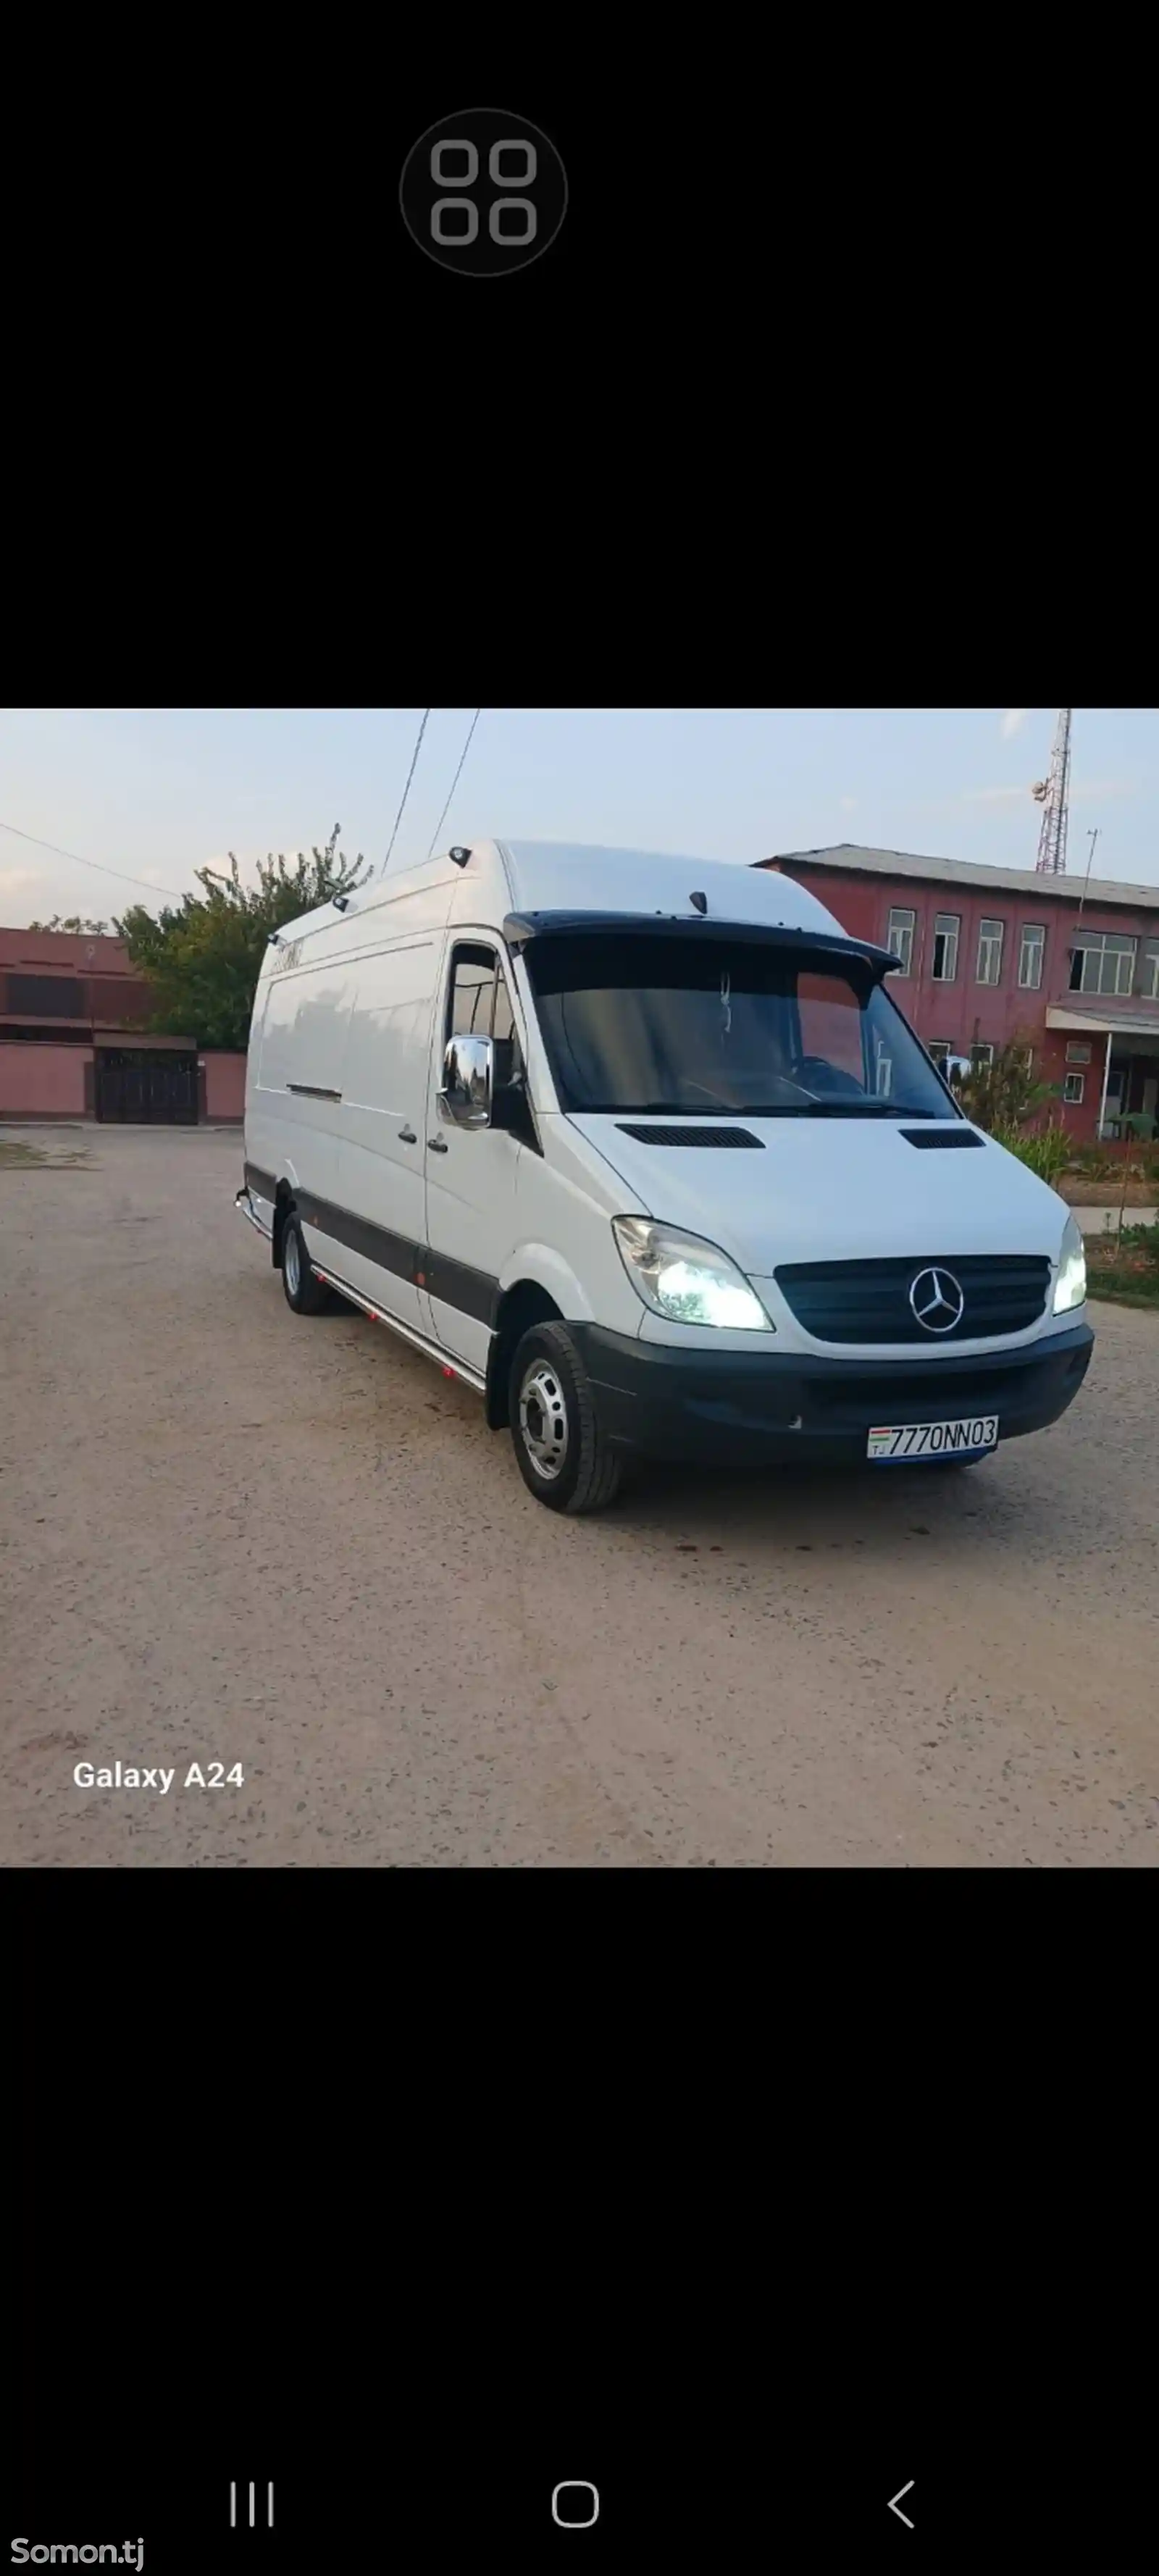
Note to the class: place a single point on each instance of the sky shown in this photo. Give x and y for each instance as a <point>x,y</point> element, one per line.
<point>155,792</point>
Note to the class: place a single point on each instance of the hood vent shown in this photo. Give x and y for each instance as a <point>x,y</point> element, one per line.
<point>701,1136</point>
<point>936,1140</point>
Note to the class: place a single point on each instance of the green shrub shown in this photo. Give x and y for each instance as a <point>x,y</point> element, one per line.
<point>1047,1153</point>
<point>1003,1092</point>
<point>1144,1239</point>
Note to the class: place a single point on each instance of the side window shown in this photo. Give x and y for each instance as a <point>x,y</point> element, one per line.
<point>472,993</point>
<point>508,1057</point>
<point>479,1005</point>
<point>504,1027</point>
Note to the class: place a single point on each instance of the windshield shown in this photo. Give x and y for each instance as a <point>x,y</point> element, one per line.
<point>649,1024</point>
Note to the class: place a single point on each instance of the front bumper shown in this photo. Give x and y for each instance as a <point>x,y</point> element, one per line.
<point>729,1409</point>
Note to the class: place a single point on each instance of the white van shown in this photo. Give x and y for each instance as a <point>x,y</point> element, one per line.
<point>510,1103</point>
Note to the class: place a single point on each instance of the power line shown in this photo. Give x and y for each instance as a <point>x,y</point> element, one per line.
<point>98,864</point>
<point>455,781</point>
<point>406,789</point>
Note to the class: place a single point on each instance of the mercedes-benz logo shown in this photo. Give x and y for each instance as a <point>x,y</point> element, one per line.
<point>937,1300</point>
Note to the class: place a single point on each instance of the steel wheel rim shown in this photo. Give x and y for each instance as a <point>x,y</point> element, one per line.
<point>292,1263</point>
<point>543,1423</point>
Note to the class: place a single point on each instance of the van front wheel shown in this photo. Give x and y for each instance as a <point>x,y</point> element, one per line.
<point>563,1457</point>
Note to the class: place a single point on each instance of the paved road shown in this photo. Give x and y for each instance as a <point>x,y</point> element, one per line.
<point>233,1535</point>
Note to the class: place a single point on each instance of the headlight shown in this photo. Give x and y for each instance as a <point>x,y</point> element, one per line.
<point>680,1276</point>
<point>1070,1287</point>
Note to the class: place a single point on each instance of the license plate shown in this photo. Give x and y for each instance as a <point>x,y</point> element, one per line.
<point>894,1444</point>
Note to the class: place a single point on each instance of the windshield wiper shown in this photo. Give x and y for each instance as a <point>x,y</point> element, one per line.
<point>851,1108</point>
<point>844,1108</point>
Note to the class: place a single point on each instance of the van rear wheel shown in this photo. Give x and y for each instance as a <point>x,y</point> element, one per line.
<point>563,1457</point>
<point>304,1294</point>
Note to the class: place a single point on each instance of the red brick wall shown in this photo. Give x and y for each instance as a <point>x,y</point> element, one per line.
<point>224,1085</point>
<point>57,952</point>
<point>111,994</point>
<point>42,1081</point>
<point>856,900</point>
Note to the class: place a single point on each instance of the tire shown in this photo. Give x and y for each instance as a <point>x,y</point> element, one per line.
<point>562,1455</point>
<point>305,1295</point>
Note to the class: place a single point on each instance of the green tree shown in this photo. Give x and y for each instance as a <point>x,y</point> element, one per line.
<point>72,922</point>
<point>1004,1092</point>
<point>203,955</point>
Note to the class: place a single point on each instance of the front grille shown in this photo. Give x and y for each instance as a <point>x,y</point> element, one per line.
<point>692,1136</point>
<point>868,1301</point>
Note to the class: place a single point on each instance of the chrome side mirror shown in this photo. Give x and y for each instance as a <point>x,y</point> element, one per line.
<point>465,1092</point>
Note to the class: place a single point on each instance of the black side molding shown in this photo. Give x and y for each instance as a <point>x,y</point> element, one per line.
<point>454,1283</point>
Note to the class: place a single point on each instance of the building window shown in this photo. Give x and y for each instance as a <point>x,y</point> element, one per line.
<point>981,1055</point>
<point>1078,1051</point>
<point>1073,1086</point>
<point>1102,961</point>
<point>1030,956</point>
<point>1149,971</point>
<point>939,1048</point>
<point>900,937</point>
<point>946,928</point>
<point>990,936</point>
<point>48,997</point>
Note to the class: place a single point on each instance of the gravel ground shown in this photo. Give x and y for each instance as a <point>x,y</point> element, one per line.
<point>231,1534</point>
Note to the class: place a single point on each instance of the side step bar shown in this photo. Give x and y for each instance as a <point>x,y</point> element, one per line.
<point>418,1341</point>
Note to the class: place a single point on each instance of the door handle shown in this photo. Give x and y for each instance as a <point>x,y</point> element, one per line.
<point>407,1136</point>
<point>437,1144</point>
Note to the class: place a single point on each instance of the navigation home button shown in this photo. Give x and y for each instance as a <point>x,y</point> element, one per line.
<point>575,2504</point>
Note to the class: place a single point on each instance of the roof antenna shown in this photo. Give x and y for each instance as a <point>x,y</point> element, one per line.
<point>699,902</point>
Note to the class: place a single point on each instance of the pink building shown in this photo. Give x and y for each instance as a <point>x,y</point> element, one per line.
<point>989,954</point>
<point>74,1041</point>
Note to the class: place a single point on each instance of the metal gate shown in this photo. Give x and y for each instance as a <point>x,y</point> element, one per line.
<point>146,1088</point>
